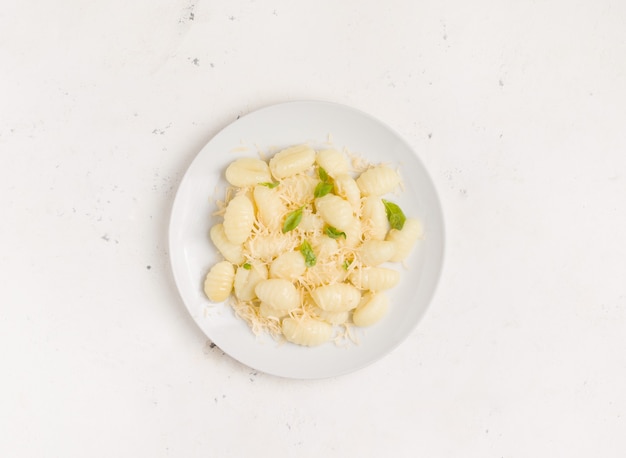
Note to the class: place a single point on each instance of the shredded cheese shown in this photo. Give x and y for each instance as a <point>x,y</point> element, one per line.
<point>334,258</point>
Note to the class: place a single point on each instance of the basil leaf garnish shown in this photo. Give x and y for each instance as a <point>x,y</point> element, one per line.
<point>322,189</point>
<point>334,233</point>
<point>322,174</point>
<point>292,220</point>
<point>395,216</point>
<point>309,255</point>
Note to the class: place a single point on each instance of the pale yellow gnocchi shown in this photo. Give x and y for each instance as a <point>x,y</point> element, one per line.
<point>371,309</point>
<point>278,293</point>
<point>336,297</point>
<point>405,238</point>
<point>374,278</point>
<point>335,211</point>
<point>292,160</point>
<point>232,252</point>
<point>378,180</point>
<point>247,276</point>
<point>306,331</point>
<point>308,243</point>
<point>333,162</point>
<point>247,171</point>
<point>375,252</point>
<point>238,219</point>
<point>218,282</point>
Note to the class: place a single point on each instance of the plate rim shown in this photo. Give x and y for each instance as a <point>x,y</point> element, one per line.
<point>436,204</point>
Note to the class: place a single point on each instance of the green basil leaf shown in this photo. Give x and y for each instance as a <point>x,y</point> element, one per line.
<point>247,266</point>
<point>394,215</point>
<point>322,189</point>
<point>307,252</point>
<point>322,174</point>
<point>292,220</point>
<point>346,264</point>
<point>334,233</point>
<point>270,184</point>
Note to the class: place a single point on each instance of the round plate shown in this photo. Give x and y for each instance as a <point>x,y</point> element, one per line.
<point>268,130</point>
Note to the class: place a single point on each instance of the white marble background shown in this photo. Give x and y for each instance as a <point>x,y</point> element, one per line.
<point>518,109</point>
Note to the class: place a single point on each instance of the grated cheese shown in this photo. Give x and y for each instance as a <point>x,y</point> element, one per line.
<point>335,258</point>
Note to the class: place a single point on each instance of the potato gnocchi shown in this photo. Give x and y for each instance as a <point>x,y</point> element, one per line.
<point>308,243</point>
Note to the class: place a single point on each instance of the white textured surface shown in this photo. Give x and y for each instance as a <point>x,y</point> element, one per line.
<point>516,108</point>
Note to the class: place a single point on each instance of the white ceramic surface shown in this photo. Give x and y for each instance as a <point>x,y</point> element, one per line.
<point>267,130</point>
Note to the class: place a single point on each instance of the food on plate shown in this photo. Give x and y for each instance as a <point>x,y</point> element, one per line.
<point>309,243</point>
<point>218,283</point>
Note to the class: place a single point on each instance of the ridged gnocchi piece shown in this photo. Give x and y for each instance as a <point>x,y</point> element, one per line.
<point>306,331</point>
<point>374,218</point>
<point>232,252</point>
<point>292,160</point>
<point>247,171</point>
<point>374,278</point>
<point>278,293</point>
<point>378,180</point>
<point>336,211</point>
<point>333,162</point>
<point>239,219</point>
<point>246,280</point>
<point>325,247</point>
<point>371,309</point>
<point>218,282</point>
<point>267,311</point>
<point>331,317</point>
<point>270,207</point>
<point>375,252</point>
<point>354,233</point>
<point>289,266</point>
<point>405,238</point>
<point>311,222</point>
<point>325,273</point>
<point>267,246</point>
<point>301,188</point>
<point>346,187</point>
<point>336,297</point>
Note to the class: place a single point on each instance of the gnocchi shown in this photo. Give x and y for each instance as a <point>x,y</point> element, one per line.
<point>375,252</point>
<point>334,210</point>
<point>231,251</point>
<point>374,218</point>
<point>374,278</point>
<point>268,311</point>
<point>306,239</point>
<point>378,180</point>
<point>347,189</point>
<point>269,206</point>
<point>331,317</point>
<point>333,162</point>
<point>289,266</point>
<point>338,297</point>
<point>246,278</point>
<point>278,293</point>
<point>238,219</point>
<point>306,331</point>
<point>218,283</point>
<point>371,309</point>
<point>292,160</point>
<point>405,238</point>
<point>247,171</point>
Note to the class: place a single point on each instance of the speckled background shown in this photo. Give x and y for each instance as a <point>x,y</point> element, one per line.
<point>516,108</point>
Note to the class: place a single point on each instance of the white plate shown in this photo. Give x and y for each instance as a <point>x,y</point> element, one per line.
<point>269,129</point>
